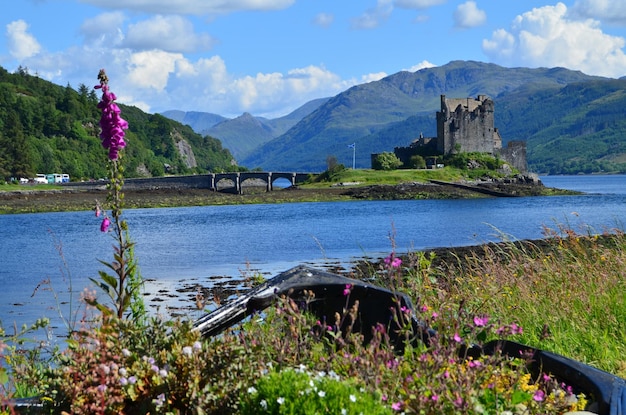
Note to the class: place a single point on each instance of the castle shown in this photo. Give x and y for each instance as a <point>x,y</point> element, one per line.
<point>466,125</point>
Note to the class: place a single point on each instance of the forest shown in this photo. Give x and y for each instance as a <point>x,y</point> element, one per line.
<point>46,128</point>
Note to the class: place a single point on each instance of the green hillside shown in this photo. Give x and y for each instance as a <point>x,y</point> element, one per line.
<point>579,128</point>
<point>46,128</point>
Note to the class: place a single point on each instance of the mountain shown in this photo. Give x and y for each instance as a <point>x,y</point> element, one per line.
<point>577,128</point>
<point>46,128</point>
<point>380,115</point>
<point>243,134</point>
<point>199,121</point>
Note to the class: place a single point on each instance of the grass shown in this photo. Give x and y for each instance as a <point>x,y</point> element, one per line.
<point>564,295</point>
<point>372,177</point>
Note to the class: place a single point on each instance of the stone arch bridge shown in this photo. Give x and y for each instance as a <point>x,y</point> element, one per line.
<point>230,182</point>
<point>268,177</point>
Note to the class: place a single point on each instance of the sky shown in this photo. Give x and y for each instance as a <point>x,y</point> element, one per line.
<point>269,57</point>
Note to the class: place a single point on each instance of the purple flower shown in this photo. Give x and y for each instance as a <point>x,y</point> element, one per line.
<point>397,406</point>
<point>457,338</point>
<point>393,261</point>
<point>347,289</point>
<point>104,226</point>
<point>539,395</point>
<point>111,124</point>
<point>481,321</point>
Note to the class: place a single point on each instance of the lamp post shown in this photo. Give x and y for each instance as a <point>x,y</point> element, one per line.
<point>353,146</point>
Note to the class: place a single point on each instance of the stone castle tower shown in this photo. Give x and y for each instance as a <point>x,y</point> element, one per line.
<point>467,125</point>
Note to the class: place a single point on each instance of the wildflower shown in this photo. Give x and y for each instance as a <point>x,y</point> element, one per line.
<point>104,226</point>
<point>125,352</point>
<point>123,381</point>
<point>102,388</point>
<point>515,329</point>
<point>123,371</point>
<point>457,338</point>
<point>187,351</point>
<point>539,395</point>
<point>163,373</point>
<point>396,406</point>
<point>321,394</point>
<point>346,291</point>
<point>263,404</point>
<point>352,398</point>
<point>392,261</point>
<point>280,400</point>
<point>435,398</point>
<point>159,401</point>
<point>111,124</point>
<point>197,346</point>
<point>132,380</point>
<point>252,390</point>
<point>481,321</point>
<point>105,369</point>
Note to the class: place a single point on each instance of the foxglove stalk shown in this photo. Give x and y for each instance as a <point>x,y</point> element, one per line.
<point>112,126</point>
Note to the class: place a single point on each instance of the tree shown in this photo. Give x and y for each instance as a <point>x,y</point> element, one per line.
<point>417,162</point>
<point>16,148</point>
<point>386,161</point>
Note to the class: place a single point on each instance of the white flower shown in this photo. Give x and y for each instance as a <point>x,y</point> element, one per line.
<point>123,371</point>
<point>251,390</point>
<point>321,394</point>
<point>187,351</point>
<point>344,411</point>
<point>280,400</point>
<point>197,346</point>
<point>263,404</point>
<point>352,398</point>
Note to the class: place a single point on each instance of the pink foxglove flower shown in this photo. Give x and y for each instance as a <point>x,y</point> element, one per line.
<point>111,124</point>
<point>104,226</point>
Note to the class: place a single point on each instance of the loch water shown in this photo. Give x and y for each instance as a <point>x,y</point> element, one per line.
<point>181,247</point>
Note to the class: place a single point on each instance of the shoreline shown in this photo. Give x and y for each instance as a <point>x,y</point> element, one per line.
<point>83,199</point>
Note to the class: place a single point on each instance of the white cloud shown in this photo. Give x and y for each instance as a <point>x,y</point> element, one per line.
<point>547,37</point>
<point>606,10</point>
<point>193,7</point>
<point>372,18</point>
<point>370,77</point>
<point>468,15</point>
<point>104,29</point>
<point>421,65</point>
<point>417,4</point>
<point>22,44</point>
<point>323,19</point>
<point>168,33</point>
<point>151,69</point>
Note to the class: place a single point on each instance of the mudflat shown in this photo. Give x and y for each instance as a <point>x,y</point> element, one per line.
<point>32,199</point>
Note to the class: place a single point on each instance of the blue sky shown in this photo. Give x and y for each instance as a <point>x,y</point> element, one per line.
<point>268,57</point>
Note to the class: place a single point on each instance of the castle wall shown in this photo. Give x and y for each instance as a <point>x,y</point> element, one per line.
<point>515,154</point>
<point>467,125</point>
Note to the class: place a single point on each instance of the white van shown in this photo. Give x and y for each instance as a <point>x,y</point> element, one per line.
<point>41,179</point>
